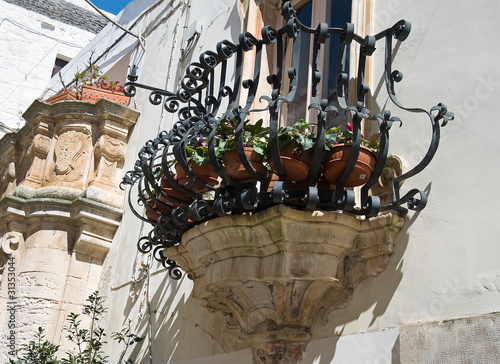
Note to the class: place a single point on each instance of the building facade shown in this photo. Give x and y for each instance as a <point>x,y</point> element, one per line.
<point>38,38</point>
<point>435,298</point>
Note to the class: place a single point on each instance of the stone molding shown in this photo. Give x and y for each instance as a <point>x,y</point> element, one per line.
<point>277,273</point>
<point>93,223</point>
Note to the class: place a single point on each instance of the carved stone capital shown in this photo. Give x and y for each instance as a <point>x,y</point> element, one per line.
<point>277,273</point>
<point>40,146</point>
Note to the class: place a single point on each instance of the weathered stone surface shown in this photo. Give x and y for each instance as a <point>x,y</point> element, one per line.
<point>459,341</point>
<point>74,144</point>
<point>279,271</point>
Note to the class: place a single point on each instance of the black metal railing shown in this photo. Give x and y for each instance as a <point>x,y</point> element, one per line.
<point>207,100</point>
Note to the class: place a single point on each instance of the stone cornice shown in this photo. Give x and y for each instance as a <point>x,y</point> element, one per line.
<point>94,222</point>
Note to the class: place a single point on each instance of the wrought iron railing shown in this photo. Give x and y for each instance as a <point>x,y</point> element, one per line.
<point>206,99</point>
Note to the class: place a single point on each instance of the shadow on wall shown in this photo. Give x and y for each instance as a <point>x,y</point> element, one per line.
<point>372,295</point>
<point>181,329</point>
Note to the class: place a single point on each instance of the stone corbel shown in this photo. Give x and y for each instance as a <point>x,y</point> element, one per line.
<point>279,272</point>
<point>109,155</point>
<point>7,179</point>
<point>92,245</point>
<point>37,151</point>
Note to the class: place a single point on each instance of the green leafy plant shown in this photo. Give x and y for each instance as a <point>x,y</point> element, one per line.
<point>299,132</point>
<point>337,136</point>
<point>255,135</point>
<point>128,338</point>
<point>37,351</point>
<point>93,76</point>
<point>197,151</point>
<point>89,342</point>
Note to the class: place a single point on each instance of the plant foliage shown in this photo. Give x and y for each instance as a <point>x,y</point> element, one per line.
<point>89,341</point>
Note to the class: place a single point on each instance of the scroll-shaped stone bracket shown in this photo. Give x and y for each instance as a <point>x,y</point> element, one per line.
<point>383,187</point>
<point>109,155</point>
<point>9,242</point>
<point>279,272</point>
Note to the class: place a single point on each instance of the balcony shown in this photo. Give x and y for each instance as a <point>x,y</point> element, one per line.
<point>276,247</point>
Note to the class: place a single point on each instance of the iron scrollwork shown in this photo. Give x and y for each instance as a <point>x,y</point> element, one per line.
<point>206,98</point>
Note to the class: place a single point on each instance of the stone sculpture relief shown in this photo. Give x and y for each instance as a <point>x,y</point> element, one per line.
<point>70,157</point>
<point>7,178</point>
<point>109,154</point>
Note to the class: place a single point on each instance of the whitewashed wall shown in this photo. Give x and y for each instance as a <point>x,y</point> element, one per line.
<point>30,43</point>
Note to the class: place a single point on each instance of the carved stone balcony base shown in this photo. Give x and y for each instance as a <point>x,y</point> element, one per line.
<point>278,272</point>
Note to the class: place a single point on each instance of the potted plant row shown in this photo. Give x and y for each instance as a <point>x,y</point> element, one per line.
<point>91,85</point>
<point>296,143</point>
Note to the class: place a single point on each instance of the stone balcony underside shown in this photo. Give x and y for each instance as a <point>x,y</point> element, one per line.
<point>277,273</point>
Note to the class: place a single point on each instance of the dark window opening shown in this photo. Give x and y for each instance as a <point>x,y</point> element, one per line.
<point>338,12</point>
<point>58,65</point>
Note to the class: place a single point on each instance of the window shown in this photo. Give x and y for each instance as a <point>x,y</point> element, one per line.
<point>335,13</point>
<point>58,65</point>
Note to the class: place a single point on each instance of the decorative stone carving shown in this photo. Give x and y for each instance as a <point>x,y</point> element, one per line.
<point>37,151</point>
<point>383,187</point>
<point>71,157</point>
<point>68,224</point>
<point>109,154</point>
<point>9,242</point>
<point>277,273</point>
<point>7,178</point>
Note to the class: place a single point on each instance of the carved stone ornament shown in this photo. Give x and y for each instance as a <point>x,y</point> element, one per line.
<point>278,272</point>
<point>71,156</point>
<point>9,242</point>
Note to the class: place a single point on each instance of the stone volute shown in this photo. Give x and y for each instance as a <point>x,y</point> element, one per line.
<point>278,272</point>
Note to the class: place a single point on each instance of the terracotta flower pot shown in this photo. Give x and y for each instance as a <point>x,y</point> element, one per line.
<point>61,96</point>
<point>152,216</point>
<point>93,94</point>
<point>296,162</point>
<point>171,191</point>
<point>235,169</point>
<point>339,156</point>
<point>205,173</point>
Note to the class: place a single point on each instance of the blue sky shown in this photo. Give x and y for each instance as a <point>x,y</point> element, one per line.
<point>112,6</point>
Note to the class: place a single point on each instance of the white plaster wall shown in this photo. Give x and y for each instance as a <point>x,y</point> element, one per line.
<point>30,43</point>
<point>445,264</point>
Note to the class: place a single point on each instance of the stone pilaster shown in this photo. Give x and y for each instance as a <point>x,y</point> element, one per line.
<point>60,209</point>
